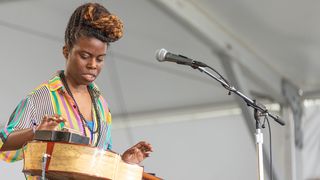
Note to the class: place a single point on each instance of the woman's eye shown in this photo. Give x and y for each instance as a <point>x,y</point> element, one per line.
<point>100,59</point>
<point>85,56</point>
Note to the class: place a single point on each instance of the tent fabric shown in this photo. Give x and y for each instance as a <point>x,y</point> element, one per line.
<point>311,148</point>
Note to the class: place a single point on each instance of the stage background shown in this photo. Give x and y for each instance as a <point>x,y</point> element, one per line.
<point>269,50</point>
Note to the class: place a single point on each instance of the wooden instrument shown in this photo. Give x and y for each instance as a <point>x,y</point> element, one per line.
<point>80,162</point>
<point>68,156</point>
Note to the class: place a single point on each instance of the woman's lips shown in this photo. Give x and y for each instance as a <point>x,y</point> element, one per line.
<point>89,77</point>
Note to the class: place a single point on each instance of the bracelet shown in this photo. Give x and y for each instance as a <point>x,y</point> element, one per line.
<point>34,127</point>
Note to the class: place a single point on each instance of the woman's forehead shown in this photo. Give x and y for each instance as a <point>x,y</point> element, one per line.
<point>90,44</point>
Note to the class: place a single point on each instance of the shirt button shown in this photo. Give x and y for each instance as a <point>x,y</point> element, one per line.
<point>74,106</point>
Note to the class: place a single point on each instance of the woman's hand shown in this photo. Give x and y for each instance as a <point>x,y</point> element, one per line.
<point>137,153</point>
<point>50,122</point>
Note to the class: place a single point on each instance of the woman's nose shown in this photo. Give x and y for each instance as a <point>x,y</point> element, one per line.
<point>92,63</point>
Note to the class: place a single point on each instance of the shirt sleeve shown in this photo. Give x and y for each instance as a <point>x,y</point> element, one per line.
<point>108,135</point>
<point>109,139</point>
<point>21,118</point>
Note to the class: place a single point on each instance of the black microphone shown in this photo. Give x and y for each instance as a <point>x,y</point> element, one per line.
<point>164,55</point>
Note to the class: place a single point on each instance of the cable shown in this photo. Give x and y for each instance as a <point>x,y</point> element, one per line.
<point>219,75</point>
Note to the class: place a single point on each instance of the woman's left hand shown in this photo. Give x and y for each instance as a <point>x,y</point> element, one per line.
<point>137,153</point>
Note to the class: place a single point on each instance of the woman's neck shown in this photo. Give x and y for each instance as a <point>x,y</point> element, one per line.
<point>75,89</point>
<point>74,86</point>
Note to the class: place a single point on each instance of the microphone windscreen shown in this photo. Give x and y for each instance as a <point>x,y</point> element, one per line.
<point>161,54</point>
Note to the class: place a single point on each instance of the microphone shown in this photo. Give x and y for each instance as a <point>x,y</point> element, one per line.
<point>164,55</point>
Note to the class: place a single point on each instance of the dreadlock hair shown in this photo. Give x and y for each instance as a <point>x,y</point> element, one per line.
<point>93,20</point>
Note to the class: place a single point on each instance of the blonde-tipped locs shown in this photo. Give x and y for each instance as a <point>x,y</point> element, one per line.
<point>93,20</point>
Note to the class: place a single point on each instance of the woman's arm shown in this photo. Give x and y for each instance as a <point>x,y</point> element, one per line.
<point>19,138</point>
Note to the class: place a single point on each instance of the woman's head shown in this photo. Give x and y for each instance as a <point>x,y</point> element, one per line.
<point>92,20</point>
<point>90,30</point>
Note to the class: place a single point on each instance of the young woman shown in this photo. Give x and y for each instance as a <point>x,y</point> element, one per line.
<point>70,99</point>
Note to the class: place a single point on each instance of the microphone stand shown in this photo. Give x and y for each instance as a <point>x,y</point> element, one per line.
<point>259,110</point>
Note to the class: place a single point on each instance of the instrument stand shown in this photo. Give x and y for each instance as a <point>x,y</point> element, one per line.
<point>259,143</point>
<point>44,164</point>
<point>259,111</point>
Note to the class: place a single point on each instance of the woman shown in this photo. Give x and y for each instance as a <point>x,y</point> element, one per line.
<point>70,100</point>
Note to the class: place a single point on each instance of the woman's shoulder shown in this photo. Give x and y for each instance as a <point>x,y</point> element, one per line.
<point>43,87</point>
<point>52,84</point>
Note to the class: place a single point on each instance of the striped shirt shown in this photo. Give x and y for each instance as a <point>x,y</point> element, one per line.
<point>52,98</point>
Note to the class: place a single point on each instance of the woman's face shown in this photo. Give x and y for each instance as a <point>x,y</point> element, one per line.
<point>85,60</point>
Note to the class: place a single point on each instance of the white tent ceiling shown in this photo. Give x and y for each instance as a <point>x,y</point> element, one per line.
<point>270,41</point>
<point>283,36</point>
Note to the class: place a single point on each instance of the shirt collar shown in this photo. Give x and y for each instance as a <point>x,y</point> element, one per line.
<point>55,84</point>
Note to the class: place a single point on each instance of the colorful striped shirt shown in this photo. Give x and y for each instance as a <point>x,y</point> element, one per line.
<point>52,98</point>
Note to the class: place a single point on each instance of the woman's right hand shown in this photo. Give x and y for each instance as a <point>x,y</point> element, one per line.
<point>19,138</point>
<point>50,122</point>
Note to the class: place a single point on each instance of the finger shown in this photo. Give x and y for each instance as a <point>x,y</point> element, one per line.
<point>60,118</point>
<point>141,143</point>
<point>149,146</point>
<point>59,121</point>
<point>66,123</point>
<point>45,118</point>
<point>52,118</point>
<point>146,147</point>
<point>147,155</point>
<point>56,119</point>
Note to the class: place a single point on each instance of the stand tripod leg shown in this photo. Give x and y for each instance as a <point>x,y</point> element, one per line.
<point>259,142</point>
<point>44,163</point>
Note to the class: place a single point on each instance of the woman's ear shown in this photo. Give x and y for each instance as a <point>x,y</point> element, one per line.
<point>65,51</point>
